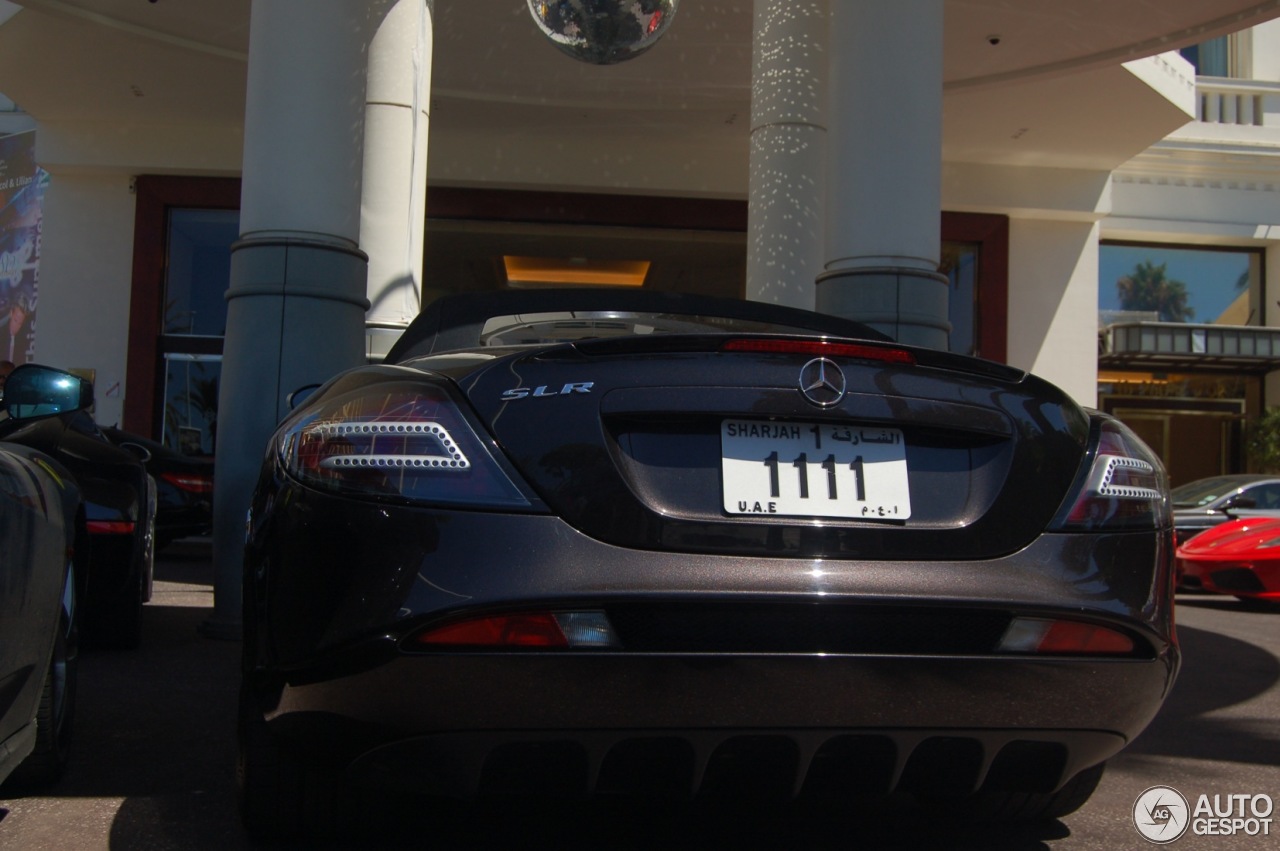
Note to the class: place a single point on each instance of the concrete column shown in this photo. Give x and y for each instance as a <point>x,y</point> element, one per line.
<point>296,301</point>
<point>788,151</point>
<point>1055,302</point>
<point>884,144</point>
<point>393,212</point>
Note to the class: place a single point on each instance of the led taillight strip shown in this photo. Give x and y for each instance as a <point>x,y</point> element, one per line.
<point>452,459</point>
<point>1110,467</point>
<point>396,462</point>
<point>822,348</point>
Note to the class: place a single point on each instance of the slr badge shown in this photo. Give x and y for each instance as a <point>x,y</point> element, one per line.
<point>545,390</point>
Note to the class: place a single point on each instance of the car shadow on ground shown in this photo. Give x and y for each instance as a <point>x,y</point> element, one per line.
<point>1224,603</point>
<point>890,825</point>
<point>1187,725</point>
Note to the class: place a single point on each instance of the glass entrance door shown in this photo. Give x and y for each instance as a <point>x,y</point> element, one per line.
<point>191,402</point>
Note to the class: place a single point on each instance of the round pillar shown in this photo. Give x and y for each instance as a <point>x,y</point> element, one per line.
<point>788,151</point>
<point>884,170</point>
<point>296,301</point>
<point>393,212</point>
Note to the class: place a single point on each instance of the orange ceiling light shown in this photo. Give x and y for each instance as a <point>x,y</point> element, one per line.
<point>574,271</point>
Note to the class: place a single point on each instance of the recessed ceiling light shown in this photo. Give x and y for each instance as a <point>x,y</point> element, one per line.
<point>573,271</point>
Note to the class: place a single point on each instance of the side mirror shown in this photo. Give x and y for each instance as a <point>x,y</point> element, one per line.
<point>33,391</point>
<point>1245,502</point>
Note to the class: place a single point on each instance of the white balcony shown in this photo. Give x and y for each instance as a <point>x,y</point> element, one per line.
<point>1220,100</point>
<point>1179,347</point>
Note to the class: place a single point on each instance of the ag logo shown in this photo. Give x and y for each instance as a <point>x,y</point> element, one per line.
<point>1161,814</point>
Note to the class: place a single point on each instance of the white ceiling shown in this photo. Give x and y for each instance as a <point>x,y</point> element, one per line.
<point>1027,99</point>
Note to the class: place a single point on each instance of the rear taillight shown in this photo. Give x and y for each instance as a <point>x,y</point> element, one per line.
<point>110,527</point>
<point>189,482</point>
<point>398,439</point>
<point>570,630</point>
<point>1123,487</point>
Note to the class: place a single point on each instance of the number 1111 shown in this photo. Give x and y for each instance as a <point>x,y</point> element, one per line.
<point>801,465</point>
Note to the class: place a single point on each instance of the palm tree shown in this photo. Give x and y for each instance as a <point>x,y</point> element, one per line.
<point>200,399</point>
<point>1149,287</point>
<point>203,396</point>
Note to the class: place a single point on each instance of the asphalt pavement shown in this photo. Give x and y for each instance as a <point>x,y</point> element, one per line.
<point>154,759</point>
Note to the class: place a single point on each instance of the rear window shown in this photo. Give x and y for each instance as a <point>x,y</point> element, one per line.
<point>569,326</point>
<point>1203,492</point>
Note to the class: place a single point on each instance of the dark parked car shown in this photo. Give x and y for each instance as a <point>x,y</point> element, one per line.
<point>590,542</point>
<point>184,486</point>
<point>48,410</point>
<point>1205,503</point>
<point>41,532</point>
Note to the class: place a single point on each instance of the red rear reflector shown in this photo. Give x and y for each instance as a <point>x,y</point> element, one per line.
<point>538,629</point>
<point>1036,635</point>
<point>819,348</point>
<point>1071,637</point>
<point>189,483</point>
<point>110,527</point>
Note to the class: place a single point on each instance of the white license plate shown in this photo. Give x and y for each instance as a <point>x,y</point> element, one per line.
<point>814,470</point>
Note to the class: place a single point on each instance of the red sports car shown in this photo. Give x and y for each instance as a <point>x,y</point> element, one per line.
<point>1241,558</point>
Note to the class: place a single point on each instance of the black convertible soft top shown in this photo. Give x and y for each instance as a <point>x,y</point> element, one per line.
<point>454,322</point>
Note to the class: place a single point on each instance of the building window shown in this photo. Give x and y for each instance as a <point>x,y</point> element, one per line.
<point>1163,283</point>
<point>1182,349</point>
<point>960,265</point>
<point>1211,58</point>
<point>183,231</point>
<point>190,418</point>
<point>197,273</point>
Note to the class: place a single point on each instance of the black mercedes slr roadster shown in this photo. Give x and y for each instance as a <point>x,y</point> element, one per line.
<point>598,543</point>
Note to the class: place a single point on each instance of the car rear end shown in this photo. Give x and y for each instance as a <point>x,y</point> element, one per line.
<point>707,566</point>
<point>1240,558</point>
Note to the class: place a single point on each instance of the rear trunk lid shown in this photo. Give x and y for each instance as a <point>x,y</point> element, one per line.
<point>677,444</point>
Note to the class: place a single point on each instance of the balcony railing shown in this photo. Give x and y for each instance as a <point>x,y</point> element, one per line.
<point>1248,102</point>
<point>1179,347</point>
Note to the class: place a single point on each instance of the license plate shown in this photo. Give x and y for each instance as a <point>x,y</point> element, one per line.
<point>814,470</point>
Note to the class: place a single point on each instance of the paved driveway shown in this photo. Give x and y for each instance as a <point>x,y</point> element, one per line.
<point>154,757</point>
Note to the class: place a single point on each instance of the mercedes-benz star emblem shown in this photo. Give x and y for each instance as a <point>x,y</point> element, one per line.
<point>822,382</point>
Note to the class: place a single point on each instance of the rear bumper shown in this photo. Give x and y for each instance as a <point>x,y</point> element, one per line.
<point>326,573</point>
<point>1253,578</point>
<point>1260,580</point>
<point>687,726</point>
<point>327,604</point>
<point>182,521</point>
<point>734,765</point>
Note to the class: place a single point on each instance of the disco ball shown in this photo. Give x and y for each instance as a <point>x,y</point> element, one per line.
<point>603,32</point>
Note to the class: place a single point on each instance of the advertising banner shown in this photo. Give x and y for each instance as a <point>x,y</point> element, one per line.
<point>22,187</point>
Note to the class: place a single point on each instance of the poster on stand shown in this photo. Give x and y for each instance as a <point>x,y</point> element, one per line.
<point>22,188</point>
